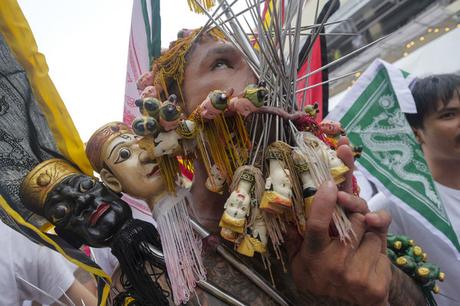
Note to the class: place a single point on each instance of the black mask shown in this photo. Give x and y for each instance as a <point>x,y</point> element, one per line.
<point>81,207</point>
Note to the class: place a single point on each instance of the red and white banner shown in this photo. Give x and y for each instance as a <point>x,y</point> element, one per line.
<point>138,62</point>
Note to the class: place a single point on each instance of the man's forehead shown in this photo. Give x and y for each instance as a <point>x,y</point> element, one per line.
<point>211,46</point>
<point>452,103</point>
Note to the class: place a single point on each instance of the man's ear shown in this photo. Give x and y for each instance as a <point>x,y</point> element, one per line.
<point>111,181</point>
<point>418,135</point>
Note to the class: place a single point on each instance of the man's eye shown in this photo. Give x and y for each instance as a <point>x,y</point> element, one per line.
<point>123,155</point>
<point>221,64</point>
<point>448,115</point>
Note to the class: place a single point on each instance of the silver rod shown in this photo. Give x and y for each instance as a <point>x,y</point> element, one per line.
<point>241,12</point>
<point>203,284</point>
<point>322,34</point>
<point>221,295</point>
<point>256,279</point>
<point>41,291</point>
<point>343,57</point>
<point>327,81</point>
<point>239,33</point>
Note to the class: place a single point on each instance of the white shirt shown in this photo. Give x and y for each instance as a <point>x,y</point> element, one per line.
<point>438,251</point>
<point>38,265</point>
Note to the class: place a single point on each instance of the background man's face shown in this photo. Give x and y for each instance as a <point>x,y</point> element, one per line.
<point>214,65</point>
<point>84,207</point>
<point>440,135</point>
<point>138,174</point>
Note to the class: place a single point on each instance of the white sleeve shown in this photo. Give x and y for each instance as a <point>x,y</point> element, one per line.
<point>105,259</point>
<point>44,268</point>
<point>378,202</point>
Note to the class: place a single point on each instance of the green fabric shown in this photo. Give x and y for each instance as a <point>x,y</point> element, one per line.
<point>152,28</point>
<point>391,154</point>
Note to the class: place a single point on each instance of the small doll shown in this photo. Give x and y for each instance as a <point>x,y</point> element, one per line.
<point>256,239</point>
<point>237,207</point>
<point>149,92</point>
<point>335,165</point>
<point>170,114</point>
<point>215,103</point>
<point>253,98</point>
<point>278,188</point>
<point>149,106</point>
<point>312,109</point>
<point>216,181</point>
<point>308,185</point>
<point>146,126</point>
<point>145,80</point>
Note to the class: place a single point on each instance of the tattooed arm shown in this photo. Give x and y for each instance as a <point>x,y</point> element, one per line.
<point>223,275</point>
<point>403,290</point>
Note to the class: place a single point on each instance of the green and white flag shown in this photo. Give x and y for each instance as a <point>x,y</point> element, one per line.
<point>372,115</point>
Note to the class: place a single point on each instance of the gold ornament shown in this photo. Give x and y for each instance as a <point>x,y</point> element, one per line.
<point>41,180</point>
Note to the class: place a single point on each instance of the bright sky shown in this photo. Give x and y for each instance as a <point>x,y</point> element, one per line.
<point>85,43</point>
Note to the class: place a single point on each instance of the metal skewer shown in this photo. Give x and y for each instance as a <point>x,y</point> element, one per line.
<point>203,284</point>
<point>255,278</point>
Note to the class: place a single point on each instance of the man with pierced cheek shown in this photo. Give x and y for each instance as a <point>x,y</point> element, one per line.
<point>321,270</point>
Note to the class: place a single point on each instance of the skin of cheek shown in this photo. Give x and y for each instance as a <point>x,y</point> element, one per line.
<point>438,138</point>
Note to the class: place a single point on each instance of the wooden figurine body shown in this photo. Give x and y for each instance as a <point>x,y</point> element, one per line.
<point>308,185</point>
<point>237,208</point>
<point>170,116</point>
<point>256,239</point>
<point>214,104</point>
<point>145,80</point>
<point>336,167</point>
<point>253,97</point>
<point>242,106</point>
<point>167,143</point>
<point>278,188</point>
<point>216,181</point>
<point>149,92</point>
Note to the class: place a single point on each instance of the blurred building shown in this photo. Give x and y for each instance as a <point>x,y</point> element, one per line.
<point>423,37</point>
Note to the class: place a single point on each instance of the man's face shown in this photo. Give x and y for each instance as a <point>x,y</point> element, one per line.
<point>440,135</point>
<point>214,65</point>
<point>138,173</point>
<point>82,206</point>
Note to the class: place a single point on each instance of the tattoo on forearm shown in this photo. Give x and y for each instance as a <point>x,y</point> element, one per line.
<point>404,291</point>
<point>221,274</point>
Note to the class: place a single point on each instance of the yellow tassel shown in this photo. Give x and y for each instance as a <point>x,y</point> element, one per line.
<point>217,142</point>
<point>194,7</point>
<point>169,169</point>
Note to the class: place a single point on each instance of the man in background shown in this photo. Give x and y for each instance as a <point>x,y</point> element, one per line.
<point>436,126</point>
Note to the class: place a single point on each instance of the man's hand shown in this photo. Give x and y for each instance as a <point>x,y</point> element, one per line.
<point>359,271</point>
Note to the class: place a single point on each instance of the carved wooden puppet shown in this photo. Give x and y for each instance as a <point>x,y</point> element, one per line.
<point>126,166</point>
<point>84,211</point>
